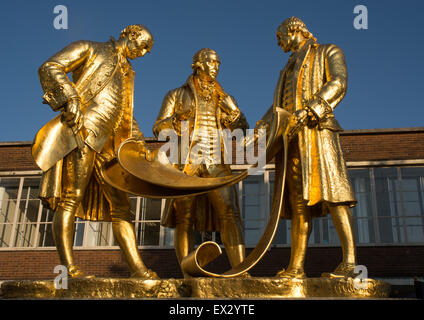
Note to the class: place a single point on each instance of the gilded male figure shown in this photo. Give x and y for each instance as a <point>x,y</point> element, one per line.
<point>96,116</point>
<point>310,86</point>
<point>207,110</point>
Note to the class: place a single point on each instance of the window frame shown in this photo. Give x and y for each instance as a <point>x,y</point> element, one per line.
<point>165,236</point>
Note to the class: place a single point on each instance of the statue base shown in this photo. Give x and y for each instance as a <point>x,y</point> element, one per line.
<point>95,288</point>
<point>287,288</point>
<point>209,288</point>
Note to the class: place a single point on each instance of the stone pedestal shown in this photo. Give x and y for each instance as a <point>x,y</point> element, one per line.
<point>202,288</point>
<point>95,288</point>
<point>286,288</point>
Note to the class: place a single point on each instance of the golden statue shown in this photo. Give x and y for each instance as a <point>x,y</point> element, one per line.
<point>310,86</point>
<point>93,154</point>
<point>207,109</point>
<point>96,117</point>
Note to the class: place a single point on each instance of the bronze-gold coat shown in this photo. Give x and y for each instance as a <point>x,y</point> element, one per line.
<point>209,108</point>
<point>321,75</point>
<point>96,117</point>
<point>310,86</point>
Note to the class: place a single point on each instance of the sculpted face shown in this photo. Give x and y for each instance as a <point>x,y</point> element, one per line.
<point>289,41</point>
<point>209,66</point>
<point>138,46</point>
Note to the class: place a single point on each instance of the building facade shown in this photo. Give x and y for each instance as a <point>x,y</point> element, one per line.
<point>386,167</point>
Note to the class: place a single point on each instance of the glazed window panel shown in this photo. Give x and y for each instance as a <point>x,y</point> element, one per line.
<point>97,234</point>
<point>148,234</point>
<point>413,197</point>
<point>363,221</point>
<point>151,209</point>
<point>25,235</point>
<point>46,215</point>
<point>315,237</point>
<point>282,236</point>
<point>389,205</point>
<point>45,238</point>
<point>330,236</point>
<point>253,209</point>
<point>415,230</point>
<point>80,226</point>
<point>168,236</point>
<point>8,193</point>
<point>5,234</point>
<point>148,229</point>
<point>361,184</point>
<point>9,188</point>
<point>363,231</point>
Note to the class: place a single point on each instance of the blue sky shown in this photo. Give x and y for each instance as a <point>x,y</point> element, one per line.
<point>385,62</point>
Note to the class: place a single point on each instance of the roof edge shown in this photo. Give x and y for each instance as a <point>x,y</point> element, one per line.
<point>345,132</point>
<point>15,143</point>
<point>382,131</point>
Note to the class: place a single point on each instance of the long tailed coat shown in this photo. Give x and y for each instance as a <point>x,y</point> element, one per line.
<point>94,65</point>
<point>320,82</point>
<point>185,99</point>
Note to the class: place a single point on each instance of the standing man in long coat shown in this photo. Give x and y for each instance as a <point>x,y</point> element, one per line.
<point>207,110</point>
<point>310,86</point>
<point>96,116</point>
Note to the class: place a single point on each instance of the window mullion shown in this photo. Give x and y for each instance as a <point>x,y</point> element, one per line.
<point>137,215</point>
<point>266,200</point>
<point>15,218</point>
<point>399,179</point>
<point>37,227</point>
<point>26,224</point>
<point>374,206</point>
<point>161,229</point>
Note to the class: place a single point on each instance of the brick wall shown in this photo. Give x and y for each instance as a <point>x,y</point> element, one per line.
<point>404,261</point>
<point>39,264</point>
<point>383,145</point>
<point>15,157</point>
<point>358,145</point>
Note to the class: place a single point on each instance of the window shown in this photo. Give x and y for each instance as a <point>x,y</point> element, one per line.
<point>254,208</point>
<point>390,205</point>
<point>148,221</point>
<point>26,223</point>
<point>282,236</point>
<point>390,210</point>
<point>8,196</point>
<point>23,221</point>
<point>363,226</point>
<point>412,192</point>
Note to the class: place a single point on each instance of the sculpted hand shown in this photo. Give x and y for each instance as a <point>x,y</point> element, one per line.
<point>297,122</point>
<point>183,115</point>
<point>301,116</point>
<point>232,117</point>
<point>72,114</point>
<point>312,119</point>
<point>144,151</point>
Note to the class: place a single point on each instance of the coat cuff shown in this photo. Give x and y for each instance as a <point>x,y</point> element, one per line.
<point>320,107</point>
<point>58,96</point>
